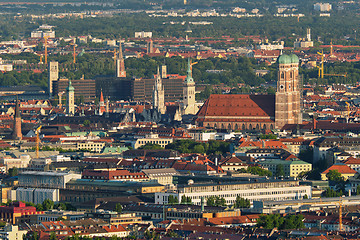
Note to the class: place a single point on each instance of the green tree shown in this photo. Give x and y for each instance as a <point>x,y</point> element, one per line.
<point>47,204</point>
<point>13,172</point>
<point>358,190</point>
<point>241,202</point>
<point>332,193</point>
<point>305,196</point>
<point>334,175</point>
<point>215,201</point>
<point>185,200</point>
<point>173,200</point>
<point>53,236</point>
<point>118,208</point>
<point>280,171</point>
<point>86,122</point>
<point>151,146</point>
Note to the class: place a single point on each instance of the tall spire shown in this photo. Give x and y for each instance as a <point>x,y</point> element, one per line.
<point>189,78</point>
<point>70,101</point>
<point>120,64</point>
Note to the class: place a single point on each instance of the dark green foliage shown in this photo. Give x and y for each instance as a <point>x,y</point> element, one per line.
<point>185,200</point>
<point>332,193</point>
<point>280,171</point>
<point>276,221</point>
<point>268,136</point>
<point>241,202</point>
<point>215,201</point>
<point>13,172</point>
<point>47,205</point>
<point>334,175</point>
<point>256,170</point>
<point>151,146</point>
<point>173,200</point>
<point>190,146</point>
<point>118,208</point>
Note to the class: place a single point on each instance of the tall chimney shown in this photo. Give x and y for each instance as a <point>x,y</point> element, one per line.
<point>17,135</point>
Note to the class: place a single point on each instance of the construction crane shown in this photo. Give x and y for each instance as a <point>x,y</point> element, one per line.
<point>340,215</point>
<point>347,111</point>
<point>45,42</point>
<point>74,53</point>
<point>37,132</point>
<point>321,73</point>
<point>60,95</point>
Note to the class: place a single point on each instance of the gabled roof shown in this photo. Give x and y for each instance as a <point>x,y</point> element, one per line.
<point>352,160</point>
<point>341,168</point>
<point>238,105</point>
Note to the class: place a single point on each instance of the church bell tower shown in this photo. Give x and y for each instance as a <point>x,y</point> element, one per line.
<point>287,98</point>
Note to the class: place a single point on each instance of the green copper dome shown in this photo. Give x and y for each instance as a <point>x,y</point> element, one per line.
<point>284,59</point>
<point>294,58</point>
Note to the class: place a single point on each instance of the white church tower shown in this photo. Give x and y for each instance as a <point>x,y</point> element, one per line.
<point>189,103</point>
<point>158,94</point>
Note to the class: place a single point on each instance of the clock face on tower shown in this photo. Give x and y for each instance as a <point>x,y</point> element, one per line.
<point>281,87</point>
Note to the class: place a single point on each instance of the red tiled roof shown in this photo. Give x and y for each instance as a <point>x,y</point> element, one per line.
<point>238,105</point>
<point>341,168</point>
<point>352,160</point>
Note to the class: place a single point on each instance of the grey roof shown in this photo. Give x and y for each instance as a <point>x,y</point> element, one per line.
<point>160,172</point>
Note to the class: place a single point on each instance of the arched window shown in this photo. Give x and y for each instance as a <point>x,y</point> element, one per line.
<point>250,127</point>
<point>271,127</point>
<point>236,127</point>
<point>243,127</point>
<point>257,127</point>
<point>229,126</point>
<point>264,127</point>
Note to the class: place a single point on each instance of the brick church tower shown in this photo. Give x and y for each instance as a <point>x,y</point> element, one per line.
<point>17,135</point>
<point>287,98</point>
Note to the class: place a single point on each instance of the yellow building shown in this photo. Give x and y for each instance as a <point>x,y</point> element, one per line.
<point>343,169</point>
<point>153,139</point>
<point>291,168</point>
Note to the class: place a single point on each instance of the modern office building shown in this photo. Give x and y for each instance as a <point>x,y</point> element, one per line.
<point>83,88</point>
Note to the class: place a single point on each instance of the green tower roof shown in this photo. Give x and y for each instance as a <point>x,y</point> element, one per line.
<point>70,87</point>
<point>189,78</point>
<point>284,59</point>
<point>294,58</point>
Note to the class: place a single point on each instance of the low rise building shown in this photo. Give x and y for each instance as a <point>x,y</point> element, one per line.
<point>152,139</point>
<point>291,168</point>
<point>15,211</point>
<point>163,176</point>
<point>253,191</point>
<point>37,195</point>
<point>12,232</point>
<point>36,179</point>
<point>345,171</point>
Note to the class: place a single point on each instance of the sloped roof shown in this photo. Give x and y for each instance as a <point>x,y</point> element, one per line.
<point>238,105</point>
<point>341,168</point>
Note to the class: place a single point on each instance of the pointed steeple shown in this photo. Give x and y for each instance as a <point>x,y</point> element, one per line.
<point>101,98</point>
<point>120,64</point>
<point>189,78</point>
<point>70,101</point>
<point>70,88</point>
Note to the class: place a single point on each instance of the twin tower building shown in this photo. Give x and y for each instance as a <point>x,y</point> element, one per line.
<point>258,112</point>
